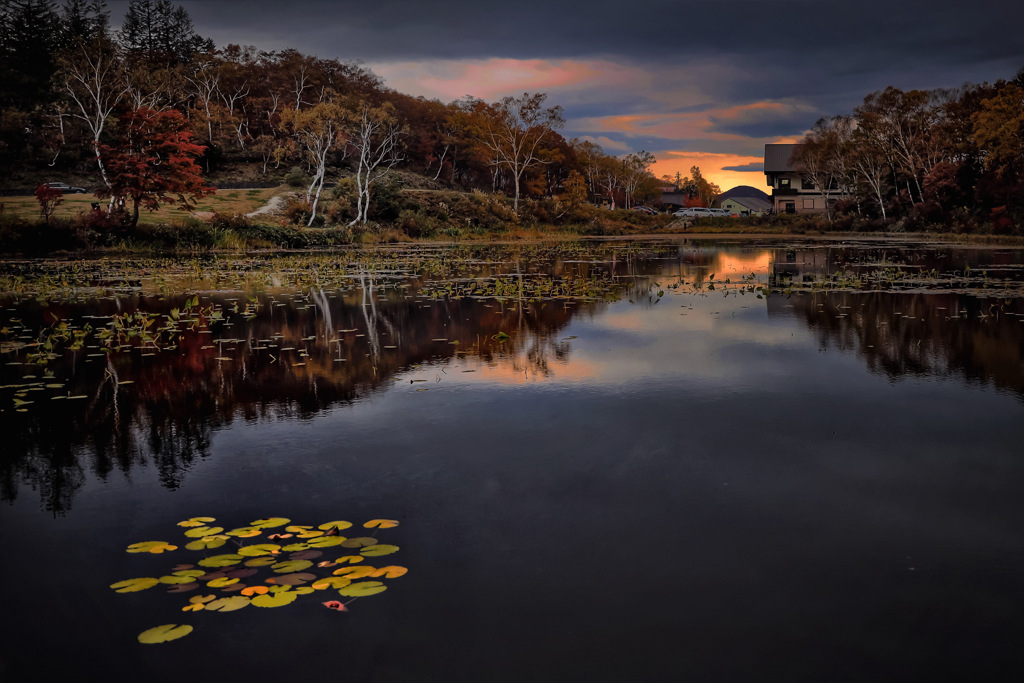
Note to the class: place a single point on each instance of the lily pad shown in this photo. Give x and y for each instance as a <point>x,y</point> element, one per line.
<point>289,566</point>
<point>351,559</point>
<point>201,531</point>
<point>361,589</point>
<point>220,560</point>
<point>390,572</point>
<point>207,542</point>
<point>270,522</point>
<point>259,549</point>
<point>295,547</point>
<point>332,582</point>
<point>245,532</point>
<point>360,542</point>
<point>255,590</point>
<point>134,585</point>
<point>173,579</point>
<point>260,561</point>
<point>381,524</point>
<point>339,525</point>
<point>164,633</point>
<point>325,541</point>
<point>295,579</point>
<point>310,533</point>
<point>228,604</point>
<point>305,555</point>
<point>275,599</point>
<point>156,547</point>
<point>378,550</point>
<point>296,528</point>
<point>183,587</point>
<point>197,521</point>
<point>355,572</point>
<point>222,582</point>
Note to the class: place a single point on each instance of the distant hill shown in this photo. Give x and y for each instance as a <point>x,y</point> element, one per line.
<point>744,191</point>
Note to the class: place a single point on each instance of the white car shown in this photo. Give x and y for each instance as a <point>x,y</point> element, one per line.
<point>693,212</point>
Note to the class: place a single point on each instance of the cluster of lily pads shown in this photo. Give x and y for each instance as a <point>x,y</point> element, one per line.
<point>296,558</point>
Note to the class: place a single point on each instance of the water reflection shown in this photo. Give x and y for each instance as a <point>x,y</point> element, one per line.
<point>174,368</point>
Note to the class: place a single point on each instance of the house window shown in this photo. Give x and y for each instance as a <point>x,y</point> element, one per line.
<point>808,203</point>
<point>807,183</point>
<point>783,183</point>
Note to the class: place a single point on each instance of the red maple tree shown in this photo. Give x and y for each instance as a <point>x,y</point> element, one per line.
<point>153,161</point>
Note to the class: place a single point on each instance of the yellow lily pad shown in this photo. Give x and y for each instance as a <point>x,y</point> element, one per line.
<point>302,590</point>
<point>164,633</point>
<point>201,531</point>
<point>259,549</point>
<point>220,560</point>
<point>361,589</point>
<point>390,572</point>
<point>207,542</point>
<point>134,585</point>
<point>310,533</point>
<point>332,582</point>
<point>296,528</point>
<point>156,547</point>
<point>279,599</point>
<point>355,572</point>
<point>290,566</point>
<point>381,524</point>
<point>360,542</point>
<point>378,550</point>
<point>245,532</point>
<point>295,547</point>
<point>270,522</point>
<point>228,604</point>
<point>197,521</point>
<point>222,583</point>
<point>325,541</point>
<point>173,579</point>
<point>339,525</point>
<point>351,559</point>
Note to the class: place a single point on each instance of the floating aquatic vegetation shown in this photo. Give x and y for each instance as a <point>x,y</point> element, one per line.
<point>286,576</point>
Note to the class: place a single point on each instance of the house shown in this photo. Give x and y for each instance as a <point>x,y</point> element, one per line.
<point>791,192</point>
<point>746,206</point>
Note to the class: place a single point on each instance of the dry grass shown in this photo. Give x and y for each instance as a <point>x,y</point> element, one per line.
<point>227,202</point>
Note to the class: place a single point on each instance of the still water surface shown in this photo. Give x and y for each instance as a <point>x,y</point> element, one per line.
<point>727,461</point>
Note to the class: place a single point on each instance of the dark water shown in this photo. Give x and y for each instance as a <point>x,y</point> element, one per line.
<point>663,477</point>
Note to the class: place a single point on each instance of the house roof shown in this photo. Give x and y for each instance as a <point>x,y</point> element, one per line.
<point>777,158</point>
<point>752,203</point>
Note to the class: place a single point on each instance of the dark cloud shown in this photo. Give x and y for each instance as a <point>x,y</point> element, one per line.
<point>753,168</point>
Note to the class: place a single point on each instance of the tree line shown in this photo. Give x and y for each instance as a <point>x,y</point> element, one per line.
<point>926,154</point>
<point>80,97</point>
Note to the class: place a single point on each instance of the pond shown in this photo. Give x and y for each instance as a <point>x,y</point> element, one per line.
<point>727,460</point>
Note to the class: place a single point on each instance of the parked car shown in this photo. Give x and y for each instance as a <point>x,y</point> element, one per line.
<point>645,209</point>
<point>66,189</point>
<point>693,212</point>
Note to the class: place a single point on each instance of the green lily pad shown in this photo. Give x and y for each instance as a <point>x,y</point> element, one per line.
<point>289,566</point>
<point>173,579</point>
<point>359,542</point>
<point>164,633</point>
<point>222,582</point>
<point>259,549</point>
<point>201,531</point>
<point>245,532</point>
<point>134,585</point>
<point>260,561</point>
<point>325,541</point>
<point>361,589</point>
<point>339,525</point>
<point>228,604</point>
<point>151,547</point>
<point>332,582</point>
<point>295,547</point>
<point>207,542</point>
<point>275,599</point>
<point>220,560</point>
<point>270,522</point>
<point>378,550</point>
<point>197,521</point>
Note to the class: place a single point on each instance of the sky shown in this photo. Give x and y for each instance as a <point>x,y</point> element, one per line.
<point>704,83</point>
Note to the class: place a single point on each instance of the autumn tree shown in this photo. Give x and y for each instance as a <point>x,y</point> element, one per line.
<point>513,132</point>
<point>49,199</point>
<point>320,130</point>
<point>999,132</point>
<point>375,139</point>
<point>153,161</point>
<point>92,76</point>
